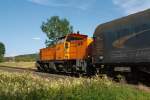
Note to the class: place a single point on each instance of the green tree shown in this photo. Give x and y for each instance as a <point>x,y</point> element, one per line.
<point>2,51</point>
<point>55,28</point>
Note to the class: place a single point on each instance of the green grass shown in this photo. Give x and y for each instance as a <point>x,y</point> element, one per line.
<point>19,64</point>
<point>25,86</point>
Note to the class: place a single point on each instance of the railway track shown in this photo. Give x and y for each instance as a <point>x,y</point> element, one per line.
<point>32,71</point>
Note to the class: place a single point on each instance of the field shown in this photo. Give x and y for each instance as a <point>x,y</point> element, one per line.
<point>25,58</point>
<point>19,64</point>
<point>25,86</point>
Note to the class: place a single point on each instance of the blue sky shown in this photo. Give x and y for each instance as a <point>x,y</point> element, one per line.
<point>20,20</point>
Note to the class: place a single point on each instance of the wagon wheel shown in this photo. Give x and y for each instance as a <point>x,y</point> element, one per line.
<point>90,70</point>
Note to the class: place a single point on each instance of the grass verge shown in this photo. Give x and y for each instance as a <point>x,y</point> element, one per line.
<point>19,64</point>
<point>25,86</point>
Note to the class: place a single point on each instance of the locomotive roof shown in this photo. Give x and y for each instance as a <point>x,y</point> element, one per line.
<point>78,35</point>
<point>75,35</point>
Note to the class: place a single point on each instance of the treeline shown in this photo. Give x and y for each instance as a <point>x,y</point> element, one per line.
<point>2,51</point>
<point>24,58</point>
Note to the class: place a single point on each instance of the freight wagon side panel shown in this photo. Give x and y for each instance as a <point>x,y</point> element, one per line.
<point>129,41</point>
<point>126,40</point>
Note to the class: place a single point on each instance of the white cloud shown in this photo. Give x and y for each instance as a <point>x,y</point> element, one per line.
<point>36,38</point>
<point>41,2</point>
<point>132,6</point>
<point>80,4</point>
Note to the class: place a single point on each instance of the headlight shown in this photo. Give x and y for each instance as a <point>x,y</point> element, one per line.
<point>101,57</point>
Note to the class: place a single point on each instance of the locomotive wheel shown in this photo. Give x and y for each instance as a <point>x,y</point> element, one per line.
<point>74,69</point>
<point>46,68</point>
<point>52,68</point>
<point>38,66</point>
<point>60,68</point>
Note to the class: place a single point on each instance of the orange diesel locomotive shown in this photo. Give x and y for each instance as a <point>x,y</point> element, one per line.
<point>71,54</point>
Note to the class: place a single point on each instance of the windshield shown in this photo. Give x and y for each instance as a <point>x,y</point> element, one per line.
<point>73,38</point>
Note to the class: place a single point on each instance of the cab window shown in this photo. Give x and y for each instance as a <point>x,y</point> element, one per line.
<point>72,38</point>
